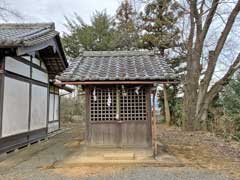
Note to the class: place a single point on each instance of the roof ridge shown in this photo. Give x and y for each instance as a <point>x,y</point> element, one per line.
<point>119,53</point>
<point>50,25</point>
<point>39,33</point>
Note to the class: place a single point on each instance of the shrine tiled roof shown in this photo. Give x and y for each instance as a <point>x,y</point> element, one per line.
<point>118,66</point>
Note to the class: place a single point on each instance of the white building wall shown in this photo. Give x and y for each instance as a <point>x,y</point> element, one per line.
<point>56,107</point>
<point>53,113</point>
<point>15,107</point>
<point>36,61</point>
<point>53,127</point>
<point>39,75</point>
<point>17,67</point>
<point>38,107</point>
<point>15,118</point>
<point>51,107</point>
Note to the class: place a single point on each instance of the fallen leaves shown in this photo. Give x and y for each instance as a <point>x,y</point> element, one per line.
<point>202,149</point>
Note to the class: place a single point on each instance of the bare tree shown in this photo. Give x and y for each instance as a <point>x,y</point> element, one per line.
<point>6,11</point>
<point>198,91</point>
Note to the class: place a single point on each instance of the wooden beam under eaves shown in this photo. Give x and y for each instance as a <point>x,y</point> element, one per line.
<point>114,82</point>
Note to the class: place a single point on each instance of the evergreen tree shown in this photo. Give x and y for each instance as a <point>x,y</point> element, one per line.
<point>159,31</point>
<point>125,25</point>
<point>159,27</point>
<point>102,25</point>
<point>79,38</point>
<point>125,17</point>
<point>97,36</point>
<point>230,101</point>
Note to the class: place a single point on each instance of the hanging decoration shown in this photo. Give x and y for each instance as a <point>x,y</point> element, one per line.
<point>124,93</point>
<point>117,116</point>
<point>118,104</point>
<point>94,95</point>
<point>109,100</point>
<point>137,89</point>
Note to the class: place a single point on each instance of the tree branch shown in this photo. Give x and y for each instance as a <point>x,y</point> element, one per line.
<point>213,55</point>
<point>227,29</point>
<point>209,19</point>
<point>217,87</point>
<point>5,11</point>
<point>194,10</point>
<point>201,7</point>
<point>191,36</point>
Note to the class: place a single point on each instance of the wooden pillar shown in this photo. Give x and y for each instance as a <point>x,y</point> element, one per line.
<point>166,105</point>
<point>154,126</point>
<point>119,139</point>
<point>87,115</point>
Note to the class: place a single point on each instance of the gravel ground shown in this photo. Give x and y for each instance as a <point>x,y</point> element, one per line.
<point>141,173</point>
<point>37,163</point>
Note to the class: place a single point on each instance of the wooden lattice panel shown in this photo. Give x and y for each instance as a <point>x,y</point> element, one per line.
<point>99,109</point>
<point>133,105</point>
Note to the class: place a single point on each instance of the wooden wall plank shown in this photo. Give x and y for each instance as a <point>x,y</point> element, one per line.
<point>1,100</point>
<point>88,132</point>
<point>133,127</point>
<point>149,114</point>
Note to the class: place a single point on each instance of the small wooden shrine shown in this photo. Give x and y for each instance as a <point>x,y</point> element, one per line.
<point>118,86</point>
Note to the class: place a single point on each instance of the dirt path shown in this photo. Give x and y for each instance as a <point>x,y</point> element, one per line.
<point>202,150</point>
<point>204,156</point>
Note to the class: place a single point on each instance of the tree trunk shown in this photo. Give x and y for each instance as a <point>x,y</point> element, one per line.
<point>198,93</point>
<point>189,109</point>
<point>191,86</point>
<point>202,115</point>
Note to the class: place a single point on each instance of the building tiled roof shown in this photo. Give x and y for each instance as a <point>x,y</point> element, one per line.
<point>26,34</point>
<point>30,38</point>
<point>118,66</point>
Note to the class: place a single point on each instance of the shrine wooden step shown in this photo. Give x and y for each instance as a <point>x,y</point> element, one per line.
<point>119,156</point>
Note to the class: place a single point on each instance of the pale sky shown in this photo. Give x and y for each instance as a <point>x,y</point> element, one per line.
<point>54,10</point>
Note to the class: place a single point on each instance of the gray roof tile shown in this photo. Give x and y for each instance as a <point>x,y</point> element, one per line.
<point>26,34</point>
<point>118,65</point>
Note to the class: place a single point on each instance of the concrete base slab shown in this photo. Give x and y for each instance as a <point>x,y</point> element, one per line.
<point>167,158</point>
<point>119,156</point>
<point>108,156</point>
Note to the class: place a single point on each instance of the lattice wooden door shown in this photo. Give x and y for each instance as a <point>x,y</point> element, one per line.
<point>119,118</point>
<point>135,128</point>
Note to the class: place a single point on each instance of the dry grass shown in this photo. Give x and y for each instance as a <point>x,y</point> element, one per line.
<point>202,149</point>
